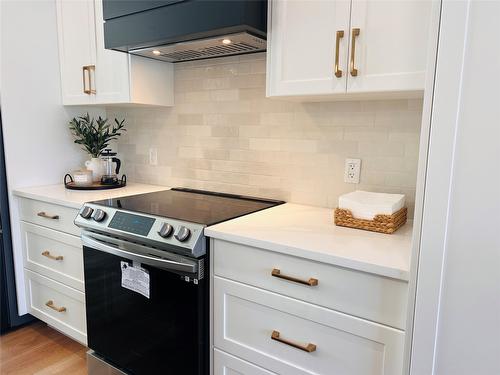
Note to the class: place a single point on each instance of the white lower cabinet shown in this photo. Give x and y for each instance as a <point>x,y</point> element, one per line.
<point>54,254</point>
<point>49,215</point>
<point>57,304</point>
<point>53,266</point>
<point>269,325</point>
<point>226,364</point>
<point>368,296</point>
<point>308,339</point>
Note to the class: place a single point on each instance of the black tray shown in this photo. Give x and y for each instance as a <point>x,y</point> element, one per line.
<point>70,184</point>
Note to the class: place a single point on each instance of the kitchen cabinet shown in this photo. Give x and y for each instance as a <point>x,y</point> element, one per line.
<point>53,266</point>
<point>301,316</point>
<point>91,74</point>
<point>347,48</point>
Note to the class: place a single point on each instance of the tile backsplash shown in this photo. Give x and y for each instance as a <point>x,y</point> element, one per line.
<point>223,134</point>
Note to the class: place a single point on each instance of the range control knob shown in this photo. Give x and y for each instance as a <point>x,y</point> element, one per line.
<point>86,213</point>
<point>182,234</point>
<point>166,230</point>
<point>99,215</point>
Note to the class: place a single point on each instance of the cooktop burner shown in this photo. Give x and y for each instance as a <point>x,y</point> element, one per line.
<point>195,206</point>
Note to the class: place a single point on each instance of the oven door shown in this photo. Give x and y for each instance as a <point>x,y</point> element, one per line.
<point>165,333</point>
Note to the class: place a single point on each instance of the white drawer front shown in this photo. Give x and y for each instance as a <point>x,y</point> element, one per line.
<point>54,254</point>
<point>42,291</point>
<point>368,296</point>
<point>226,364</point>
<point>245,317</point>
<point>49,215</point>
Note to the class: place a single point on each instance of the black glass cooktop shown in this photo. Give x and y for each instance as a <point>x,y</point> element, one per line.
<point>195,206</point>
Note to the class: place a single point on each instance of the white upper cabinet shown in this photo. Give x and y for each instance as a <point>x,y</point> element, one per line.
<point>76,33</point>
<point>302,51</point>
<point>91,74</point>
<point>390,50</point>
<point>338,47</point>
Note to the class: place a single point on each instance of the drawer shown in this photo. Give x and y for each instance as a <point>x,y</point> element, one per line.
<point>54,254</point>
<point>361,294</point>
<point>226,364</point>
<point>49,215</point>
<point>245,318</point>
<point>57,305</point>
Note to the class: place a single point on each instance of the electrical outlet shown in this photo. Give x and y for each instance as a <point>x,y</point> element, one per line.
<point>352,171</point>
<point>153,156</point>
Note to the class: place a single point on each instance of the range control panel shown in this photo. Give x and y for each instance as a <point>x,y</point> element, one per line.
<point>163,233</point>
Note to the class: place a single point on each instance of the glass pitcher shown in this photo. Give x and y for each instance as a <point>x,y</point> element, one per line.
<point>110,176</point>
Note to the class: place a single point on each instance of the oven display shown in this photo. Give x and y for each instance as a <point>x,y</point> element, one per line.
<point>131,223</point>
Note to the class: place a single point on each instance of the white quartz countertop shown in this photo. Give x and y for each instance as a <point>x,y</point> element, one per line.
<point>309,232</point>
<point>58,194</point>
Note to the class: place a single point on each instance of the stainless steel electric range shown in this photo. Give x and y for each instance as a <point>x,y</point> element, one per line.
<point>146,279</point>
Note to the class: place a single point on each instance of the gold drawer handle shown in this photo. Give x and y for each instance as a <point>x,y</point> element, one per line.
<point>52,217</point>
<point>47,254</point>
<point>50,304</point>
<point>277,273</point>
<point>307,348</point>
<point>86,73</point>
<point>355,33</point>
<point>338,71</point>
<point>91,71</point>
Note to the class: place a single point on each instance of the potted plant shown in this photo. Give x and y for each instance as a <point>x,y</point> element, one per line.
<point>94,135</point>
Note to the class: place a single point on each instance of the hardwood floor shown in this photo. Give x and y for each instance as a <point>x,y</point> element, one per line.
<point>40,350</point>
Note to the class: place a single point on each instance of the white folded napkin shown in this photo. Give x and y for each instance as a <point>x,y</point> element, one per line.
<point>365,204</point>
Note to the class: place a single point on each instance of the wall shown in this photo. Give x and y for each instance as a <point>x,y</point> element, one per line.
<point>38,146</point>
<point>223,134</point>
<point>457,321</point>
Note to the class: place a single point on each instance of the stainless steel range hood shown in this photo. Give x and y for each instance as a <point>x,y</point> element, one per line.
<point>184,30</point>
<point>232,44</point>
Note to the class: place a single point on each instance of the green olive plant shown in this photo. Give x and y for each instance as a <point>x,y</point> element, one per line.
<point>95,134</point>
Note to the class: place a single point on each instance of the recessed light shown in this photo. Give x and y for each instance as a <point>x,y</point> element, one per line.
<point>156,52</point>
<point>226,41</point>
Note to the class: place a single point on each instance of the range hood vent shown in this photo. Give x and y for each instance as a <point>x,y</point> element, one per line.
<point>233,44</point>
<point>184,30</point>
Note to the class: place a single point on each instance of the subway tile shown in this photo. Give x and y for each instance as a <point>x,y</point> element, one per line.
<point>216,83</point>
<point>264,144</point>
<point>225,131</point>
<point>395,149</point>
<point>224,134</point>
<point>224,95</point>
<point>299,145</point>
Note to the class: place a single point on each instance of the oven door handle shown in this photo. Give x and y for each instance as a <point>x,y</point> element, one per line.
<point>166,264</point>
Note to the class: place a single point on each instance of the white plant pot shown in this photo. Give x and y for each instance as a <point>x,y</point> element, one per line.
<point>95,165</point>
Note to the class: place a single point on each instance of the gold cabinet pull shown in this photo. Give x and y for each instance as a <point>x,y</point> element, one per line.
<point>91,71</point>
<point>340,35</point>
<point>86,69</point>
<point>47,254</point>
<point>355,33</point>
<point>306,348</point>
<point>277,273</point>
<point>46,216</point>
<point>50,304</point>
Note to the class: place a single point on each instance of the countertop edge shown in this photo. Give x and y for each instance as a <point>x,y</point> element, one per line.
<point>129,190</point>
<point>393,273</point>
<point>44,198</point>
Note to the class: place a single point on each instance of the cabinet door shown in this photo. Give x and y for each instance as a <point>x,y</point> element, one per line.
<point>390,50</point>
<point>302,47</point>
<point>112,68</point>
<point>76,32</point>
<point>226,364</point>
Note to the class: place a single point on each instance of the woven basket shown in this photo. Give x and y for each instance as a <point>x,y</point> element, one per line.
<point>381,223</point>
